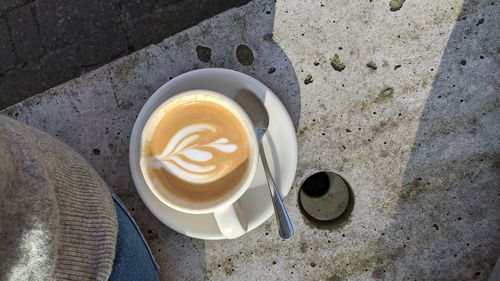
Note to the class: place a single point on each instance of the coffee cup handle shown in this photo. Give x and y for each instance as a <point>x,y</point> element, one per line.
<point>231,221</point>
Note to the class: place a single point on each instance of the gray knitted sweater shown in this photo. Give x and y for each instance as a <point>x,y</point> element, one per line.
<point>57,218</point>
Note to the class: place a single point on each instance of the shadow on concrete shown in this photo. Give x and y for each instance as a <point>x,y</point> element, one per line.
<point>448,207</point>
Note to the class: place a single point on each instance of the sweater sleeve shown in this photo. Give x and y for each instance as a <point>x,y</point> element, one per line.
<point>58,206</point>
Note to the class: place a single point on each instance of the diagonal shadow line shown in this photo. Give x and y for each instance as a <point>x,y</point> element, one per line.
<point>451,185</point>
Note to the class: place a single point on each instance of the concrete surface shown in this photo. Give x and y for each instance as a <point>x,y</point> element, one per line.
<point>44,43</point>
<point>417,138</point>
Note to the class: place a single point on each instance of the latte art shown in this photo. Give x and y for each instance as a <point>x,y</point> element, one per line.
<point>195,149</point>
<point>187,159</point>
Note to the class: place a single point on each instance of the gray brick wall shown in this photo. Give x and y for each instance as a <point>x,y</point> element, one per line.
<point>24,33</point>
<point>7,57</point>
<point>46,42</point>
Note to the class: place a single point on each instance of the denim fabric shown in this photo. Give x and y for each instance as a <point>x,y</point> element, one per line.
<point>133,260</point>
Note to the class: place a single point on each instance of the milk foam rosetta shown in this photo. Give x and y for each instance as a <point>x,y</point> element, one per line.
<point>188,159</point>
<point>196,149</point>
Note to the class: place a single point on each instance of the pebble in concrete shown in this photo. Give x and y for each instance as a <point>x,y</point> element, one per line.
<point>308,79</point>
<point>336,63</point>
<point>371,65</point>
<point>395,5</point>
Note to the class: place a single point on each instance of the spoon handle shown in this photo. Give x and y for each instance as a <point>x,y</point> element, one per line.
<point>284,224</point>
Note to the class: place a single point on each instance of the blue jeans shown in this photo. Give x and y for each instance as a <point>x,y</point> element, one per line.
<point>133,258</point>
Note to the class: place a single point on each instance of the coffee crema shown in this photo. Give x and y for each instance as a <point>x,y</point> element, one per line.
<point>196,149</point>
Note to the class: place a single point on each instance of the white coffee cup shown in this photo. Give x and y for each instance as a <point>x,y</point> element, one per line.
<point>227,211</point>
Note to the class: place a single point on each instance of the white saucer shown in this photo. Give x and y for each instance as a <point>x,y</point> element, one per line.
<point>280,145</point>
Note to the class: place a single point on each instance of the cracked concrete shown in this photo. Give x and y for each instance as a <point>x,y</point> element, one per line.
<point>416,138</point>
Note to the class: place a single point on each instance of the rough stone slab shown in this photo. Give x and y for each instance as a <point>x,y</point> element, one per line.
<point>7,56</point>
<point>6,5</point>
<point>169,17</point>
<point>53,68</point>
<point>15,76</point>
<point>417,139</point>
<point>140,32</point>
<point>25,33</point>
<point>59,65</point>
<point>167,2</point>
<point>132,9</point>
<point>100,47</point>
<point>62,24</point>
